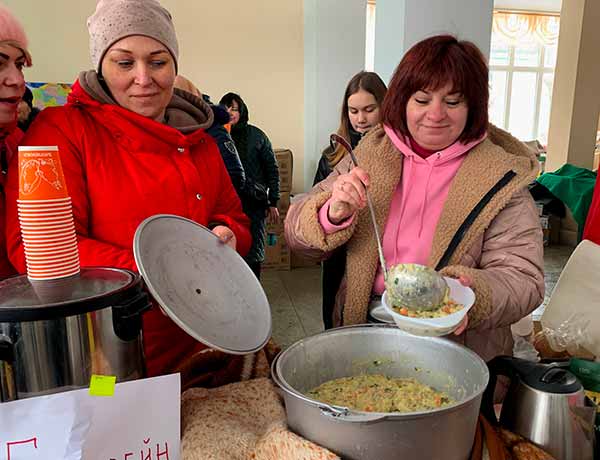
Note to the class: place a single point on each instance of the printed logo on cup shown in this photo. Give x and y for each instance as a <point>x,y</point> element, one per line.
<point>40,174</point>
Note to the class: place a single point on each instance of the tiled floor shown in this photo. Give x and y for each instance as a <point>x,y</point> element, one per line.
<point>295,296</point>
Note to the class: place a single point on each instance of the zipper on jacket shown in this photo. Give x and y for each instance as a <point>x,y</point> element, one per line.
<point>464,227</point>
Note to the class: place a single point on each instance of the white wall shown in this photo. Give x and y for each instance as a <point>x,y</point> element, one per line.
<point>334,50</point>
<point>252,47</point>
<point>402,23</point>
<point>57,35</point>
<point>389,36</point>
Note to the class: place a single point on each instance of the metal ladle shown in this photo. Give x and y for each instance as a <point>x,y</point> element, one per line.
<point>334,140</point>
<point>413,286</point>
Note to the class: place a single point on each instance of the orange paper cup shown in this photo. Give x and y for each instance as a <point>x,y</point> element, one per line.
<point>48,240</point>
<point>40,174</point>
<point>44,203</point>
<point>45,215</point>
<point>48,268</point>
<point>49,246</point>
<point>48,232</point>
<point>51,266</point>
<point>36,257</point>
<point>62,252</point>
<point>53,275</point>
<point>39,226</point>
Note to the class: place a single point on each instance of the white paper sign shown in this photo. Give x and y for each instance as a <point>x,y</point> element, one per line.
<point>140,422</point>
<point>43,428</point>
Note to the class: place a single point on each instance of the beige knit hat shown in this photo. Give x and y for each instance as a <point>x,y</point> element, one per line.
<point>117,19</point>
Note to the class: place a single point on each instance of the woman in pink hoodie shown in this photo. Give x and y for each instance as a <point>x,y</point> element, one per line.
<point>449,190</point>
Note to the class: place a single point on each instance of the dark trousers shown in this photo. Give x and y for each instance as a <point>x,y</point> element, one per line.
<point>332,272</point>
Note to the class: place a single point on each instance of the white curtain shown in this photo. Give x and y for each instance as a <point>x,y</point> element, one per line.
<point>516,28</point>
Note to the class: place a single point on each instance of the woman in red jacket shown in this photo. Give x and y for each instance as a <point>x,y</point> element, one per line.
<point>13,57</point>
<point>131,146</point>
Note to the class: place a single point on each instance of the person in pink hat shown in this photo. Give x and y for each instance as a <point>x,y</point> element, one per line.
<point>13,57</point>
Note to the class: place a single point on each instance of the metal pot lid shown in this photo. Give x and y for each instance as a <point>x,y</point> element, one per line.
<point>204,286</point>
<point>92,289</point>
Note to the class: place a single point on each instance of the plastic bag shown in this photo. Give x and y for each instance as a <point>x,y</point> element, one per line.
<point>571,335</point>
<point>524,349</point>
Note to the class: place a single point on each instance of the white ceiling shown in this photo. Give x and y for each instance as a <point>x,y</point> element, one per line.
<point>530,5</point>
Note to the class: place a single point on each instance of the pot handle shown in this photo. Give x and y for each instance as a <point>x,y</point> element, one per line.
<point>336,412</point>
<point>127,318</point>
<point>8,384</point>
<point>346,415</point>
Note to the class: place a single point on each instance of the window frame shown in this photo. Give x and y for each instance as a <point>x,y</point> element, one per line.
<point>540,71</point>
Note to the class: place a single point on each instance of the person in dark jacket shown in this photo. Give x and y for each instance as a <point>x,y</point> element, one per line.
<point>262,176</point>
<point>26,112</point>
<point>360,112</point>
<point>221,136</point>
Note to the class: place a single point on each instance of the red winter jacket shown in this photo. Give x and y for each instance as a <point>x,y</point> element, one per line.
<point>592,224</point>
<point>12,142</point>
<point>121,168</point>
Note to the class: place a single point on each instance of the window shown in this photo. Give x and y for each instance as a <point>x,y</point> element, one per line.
<point>522,62</point>
<point>370,36</point>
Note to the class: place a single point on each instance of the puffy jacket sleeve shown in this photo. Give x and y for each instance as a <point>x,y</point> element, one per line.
<point>230,155</point>
<point>51,128</point>
<point>228,211</point>
<point>270,168</point>
<point>509,279</point>
<point>303,231</point>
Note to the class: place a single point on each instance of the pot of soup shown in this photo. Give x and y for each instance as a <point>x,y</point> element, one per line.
<point>373,391</point>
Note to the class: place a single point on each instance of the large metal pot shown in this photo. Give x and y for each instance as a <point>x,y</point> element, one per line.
<point>54,335</point>
<point>446,433</point>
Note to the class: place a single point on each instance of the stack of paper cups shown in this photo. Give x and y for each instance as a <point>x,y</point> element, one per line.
<point>46,215</point>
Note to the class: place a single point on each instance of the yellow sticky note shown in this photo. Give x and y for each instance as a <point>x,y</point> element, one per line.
<point>103,385</point>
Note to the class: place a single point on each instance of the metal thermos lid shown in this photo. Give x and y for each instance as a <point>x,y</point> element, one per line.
<point>94,288</point>
<point>204,286</point>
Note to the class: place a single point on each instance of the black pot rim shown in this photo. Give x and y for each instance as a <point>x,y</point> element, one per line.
<point>59,310</point>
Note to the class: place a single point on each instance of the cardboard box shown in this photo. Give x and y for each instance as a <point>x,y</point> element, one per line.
<point>300,262</point>
<point>285,164</point>
<point>551,229</point>
<point>277,255</point>
<point>545,223</point>
<point>540,208</point>
<point>554,222</point>
<point>283,205</point>
<point>568,237</point>
<point>568,222</point>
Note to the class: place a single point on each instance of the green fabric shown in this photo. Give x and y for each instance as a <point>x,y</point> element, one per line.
<point>574,186</point>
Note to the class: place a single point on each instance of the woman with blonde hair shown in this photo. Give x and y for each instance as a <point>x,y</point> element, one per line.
<point>361,111</point>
